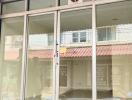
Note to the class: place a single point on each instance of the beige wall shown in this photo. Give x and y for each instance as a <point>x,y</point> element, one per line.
<point>40,77</point>
<point>10,79</point>
<point>121,76</point>
<point>81,74</point>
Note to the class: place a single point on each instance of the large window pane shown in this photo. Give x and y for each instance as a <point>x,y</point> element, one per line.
<point>75,55</point>
<point>11,58</point>
<point>40,58</point>
<point>39,4</point>
<point>13,7</point>
<point>114,51</point>
<point>70,2</point>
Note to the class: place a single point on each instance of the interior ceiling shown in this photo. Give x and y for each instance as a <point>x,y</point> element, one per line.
<point>34,4</point>
<point>115,13</point>
<point>13,26</point>
<point>109,14</point>
<point>41,24</point>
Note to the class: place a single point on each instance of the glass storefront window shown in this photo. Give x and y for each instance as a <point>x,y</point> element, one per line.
<point>75,55</point>
<point>114,69</point>
<point>11,58</point>
<point>114,50</point>
<point>40,4</point>
<point>13,7</point>
<point>71,2</point>
<point>63,2</point>
<point>40,58</point>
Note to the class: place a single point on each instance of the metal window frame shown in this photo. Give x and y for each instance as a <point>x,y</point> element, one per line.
<point>1,51</point>
<point>59,8</point>
<point>94,83</point>
<point>24,59</point>
<point>24,55</point>
<point>56,61</point>
<point>57,56</point>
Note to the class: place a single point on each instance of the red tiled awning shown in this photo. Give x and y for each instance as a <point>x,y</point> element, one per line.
<point>106,50</point>
<point>41,53</point>
<point>124,49</point>
<point>77,52</point>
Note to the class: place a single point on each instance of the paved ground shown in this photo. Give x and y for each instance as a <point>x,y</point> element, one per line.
<point>81,95</point>
<point>85,94</point>
<point>91,99</point>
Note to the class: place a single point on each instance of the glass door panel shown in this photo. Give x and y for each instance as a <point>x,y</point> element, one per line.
<point>40,57</point>
<point>114,51</point>
<point>75,55</point>
<point>11,58</point>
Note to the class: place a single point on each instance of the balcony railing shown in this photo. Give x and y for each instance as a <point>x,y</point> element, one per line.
<point>106,34</point>
<point>109,34</point>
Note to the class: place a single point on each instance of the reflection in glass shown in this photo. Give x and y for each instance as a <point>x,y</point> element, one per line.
<point>11,58</point>
<point>106,33</point>
<point>114,67</point>
<point>40,58</point>
<point>75,61</point>
<point>13,7</point>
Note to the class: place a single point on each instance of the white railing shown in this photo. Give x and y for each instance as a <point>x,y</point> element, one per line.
<point>108,34</point>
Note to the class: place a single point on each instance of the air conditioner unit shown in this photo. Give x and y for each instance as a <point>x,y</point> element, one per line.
<point>74,1</point>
